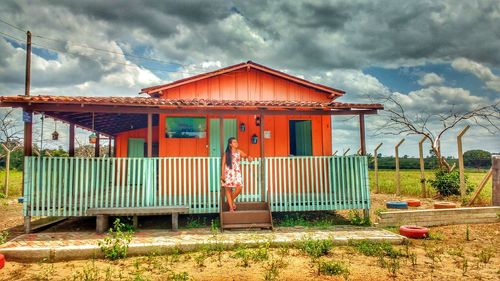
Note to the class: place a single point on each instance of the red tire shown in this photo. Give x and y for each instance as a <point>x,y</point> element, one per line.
<point>2,261</point>
<point>413,231</point>
<point>413,202</point>
<point>444,205</point>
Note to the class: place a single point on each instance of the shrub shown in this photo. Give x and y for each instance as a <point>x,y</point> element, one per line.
<point>333,268</point>
<point>115,244</point>
<point>356,218</point>
<point>315,248</point>
<point>2,195</point>
<point>372,248</point>
<point>447,184</point>
<point>3,237</point>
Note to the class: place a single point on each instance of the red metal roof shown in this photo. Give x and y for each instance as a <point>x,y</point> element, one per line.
<point>176,103</point>
<point>249,64</point>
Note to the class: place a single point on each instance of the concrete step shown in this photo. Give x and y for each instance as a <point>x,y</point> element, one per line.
<point>248,225</point>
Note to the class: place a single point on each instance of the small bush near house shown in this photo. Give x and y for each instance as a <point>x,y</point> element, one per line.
<point>333,268</point>
<point>3,237</point>
<point>315,248</point>
<point>447,184</point>
<point>115,245</point>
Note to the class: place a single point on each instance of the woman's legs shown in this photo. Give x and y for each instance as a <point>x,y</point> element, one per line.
<point>237,191</point>
<point>229,197</point>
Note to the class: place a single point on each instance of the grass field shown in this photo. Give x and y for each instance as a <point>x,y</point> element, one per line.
<point>410,182</point>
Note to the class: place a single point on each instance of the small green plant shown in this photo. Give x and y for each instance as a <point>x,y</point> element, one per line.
<point>90,272</point>
<point>413,259</point>
<point>375,249</point>
<point>436,235</point>
<point>315,248</point>
<point>194,222</point>
<point>393,266</point>
<point>244,254</point>
<point>200,259</point>
<point>272,269</point>
<point>456,251</point>
<point>2,195</point>
<point>261,253</point>
<point>467,233</point>
<point>333,268</point>
<point>356,218</point>
<point>182,276</point>
<point>434,253</point>
<point>378,211</point>
<point>465,266</point>
<point>485,255</point>
<point>115,244</point>
<point>3,237</point>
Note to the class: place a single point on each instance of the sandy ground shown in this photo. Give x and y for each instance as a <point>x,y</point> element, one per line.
<point>450,254</point>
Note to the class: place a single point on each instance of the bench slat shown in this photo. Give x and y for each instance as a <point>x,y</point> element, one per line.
<point>137,211</point>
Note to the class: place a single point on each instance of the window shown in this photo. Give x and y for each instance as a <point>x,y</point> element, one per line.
<point>185,127</point>
<point>300,138</point>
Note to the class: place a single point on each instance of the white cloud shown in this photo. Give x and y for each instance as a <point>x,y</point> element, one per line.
<point>482,72</point>
<point>430,79</point>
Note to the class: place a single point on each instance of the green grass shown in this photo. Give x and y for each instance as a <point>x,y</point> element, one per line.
<point>15,183</point>
<point>410,182</point>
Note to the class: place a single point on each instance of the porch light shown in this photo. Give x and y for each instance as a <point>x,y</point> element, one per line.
<point>255,139</point>
<point>55,134</point>
<point>243,127</point>
<point>93,138</point>
<point>257,121</point>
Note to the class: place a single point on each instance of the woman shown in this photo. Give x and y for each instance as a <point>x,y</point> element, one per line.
<point>231,172</point>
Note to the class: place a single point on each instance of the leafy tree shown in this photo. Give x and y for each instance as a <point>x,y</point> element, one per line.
<point>477,158</point>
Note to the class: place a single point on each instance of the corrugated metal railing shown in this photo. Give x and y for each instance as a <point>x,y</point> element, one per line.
<point>68,186</point>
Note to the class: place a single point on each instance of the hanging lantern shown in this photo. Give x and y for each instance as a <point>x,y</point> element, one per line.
<point>257,121</point>
<point>243,127</point>
<point>255,139</point>
<point>55,134</point>
<point>93,138</point>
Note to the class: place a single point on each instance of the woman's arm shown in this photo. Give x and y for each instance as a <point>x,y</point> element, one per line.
<point>244,155</point>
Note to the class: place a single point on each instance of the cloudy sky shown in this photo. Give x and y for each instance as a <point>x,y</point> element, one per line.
<point>434,55</point>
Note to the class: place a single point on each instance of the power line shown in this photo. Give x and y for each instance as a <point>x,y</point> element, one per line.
<point>12,37</point>
<point>14,26</point>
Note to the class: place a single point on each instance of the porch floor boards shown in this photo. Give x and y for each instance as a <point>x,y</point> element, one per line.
<point>83,245</point>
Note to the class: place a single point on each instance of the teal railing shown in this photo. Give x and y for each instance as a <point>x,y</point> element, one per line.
<point>68,186</point>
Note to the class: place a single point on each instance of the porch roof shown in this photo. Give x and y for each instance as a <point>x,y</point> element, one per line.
<point>117,114</point>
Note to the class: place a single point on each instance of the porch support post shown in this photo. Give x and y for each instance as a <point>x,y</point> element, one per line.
<point>222,191</point>
<point>263,162</point>
<point>97,145</point>
<point>109,148</point>
<point>71,150</point>
<point>28,151</point>
<point>362,133</point>
<point>150,135</point>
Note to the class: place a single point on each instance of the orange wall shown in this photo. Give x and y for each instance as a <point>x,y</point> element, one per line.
<point>277,145</point>
<point>122,139</point>
<point>245,85</point>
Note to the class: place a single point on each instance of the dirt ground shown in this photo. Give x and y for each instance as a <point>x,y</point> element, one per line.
<point>448,256</point>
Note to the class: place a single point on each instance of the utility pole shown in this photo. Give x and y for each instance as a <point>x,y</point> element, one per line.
<point>28,64</point>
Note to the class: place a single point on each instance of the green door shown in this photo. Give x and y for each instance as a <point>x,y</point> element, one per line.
<point>135,147</point>
<point>230,130</point>
<point>300,137</point>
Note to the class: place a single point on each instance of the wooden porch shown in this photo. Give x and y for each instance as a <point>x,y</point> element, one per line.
<point>69,186</point>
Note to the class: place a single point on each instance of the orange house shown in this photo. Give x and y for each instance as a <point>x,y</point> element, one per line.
<point>168,148</point>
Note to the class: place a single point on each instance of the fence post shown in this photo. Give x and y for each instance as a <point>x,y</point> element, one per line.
<point>495,196</point>
<point>422,166</point>
<point>398,183</point>
<point>375,166</point>
<point>335,153</point>
<point>7,170</point>
<point>461,160</point>
<point>345,152</point>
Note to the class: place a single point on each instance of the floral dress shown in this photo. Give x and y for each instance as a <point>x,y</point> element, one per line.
<point>233,175</point>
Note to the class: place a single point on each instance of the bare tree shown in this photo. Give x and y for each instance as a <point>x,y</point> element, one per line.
<point>400,121</point>
<point>10,129</point>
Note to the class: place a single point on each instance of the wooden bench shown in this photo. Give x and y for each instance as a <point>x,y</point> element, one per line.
<point>102,215</point>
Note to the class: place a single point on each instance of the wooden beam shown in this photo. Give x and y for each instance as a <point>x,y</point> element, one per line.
<point>422,166</point>
<point>461,160</point>
<point>97,147</point>
<point>71,150</point>
<point>480,187</point>
<point>197,110</point>
<point>263,161</point>
<point>375,166</point>
<point>398,180</point>
<point>362,133</point>
<point>150,135</point>
<point>28,133</point>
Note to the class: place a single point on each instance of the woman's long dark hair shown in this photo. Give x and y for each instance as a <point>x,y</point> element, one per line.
<point>229,155</point>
